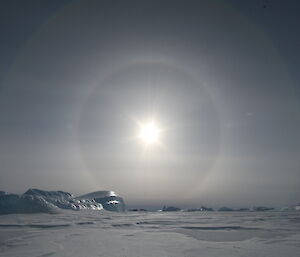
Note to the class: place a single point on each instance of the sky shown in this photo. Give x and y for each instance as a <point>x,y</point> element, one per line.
<point>219,79</point>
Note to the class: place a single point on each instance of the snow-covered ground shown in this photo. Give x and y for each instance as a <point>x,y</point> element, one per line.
<point>192,234</point>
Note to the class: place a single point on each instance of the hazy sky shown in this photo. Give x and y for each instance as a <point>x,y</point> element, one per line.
<point>220,78</point>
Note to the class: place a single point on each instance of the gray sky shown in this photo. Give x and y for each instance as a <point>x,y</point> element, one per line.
<point>220,78</point>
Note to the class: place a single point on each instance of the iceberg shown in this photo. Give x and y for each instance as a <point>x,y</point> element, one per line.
<point>291,208</point>
<point>262,208</point>
<point>170,208</point>
<point>202,208</point>
<point>108,199</point>
<point>13,203</point>
<point>225,209</point>
<point>3,193</point>
<point>41,201</point>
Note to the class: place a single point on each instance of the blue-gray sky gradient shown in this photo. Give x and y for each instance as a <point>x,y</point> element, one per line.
<point>219,76</point>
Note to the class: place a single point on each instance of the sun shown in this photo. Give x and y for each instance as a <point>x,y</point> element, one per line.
<point>149,133</point>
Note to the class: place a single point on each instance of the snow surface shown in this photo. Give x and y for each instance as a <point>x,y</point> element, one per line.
<point>191,234</point>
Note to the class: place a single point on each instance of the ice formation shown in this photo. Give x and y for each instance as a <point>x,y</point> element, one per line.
<point>170,208</point>
<point>291,208</point>
<point>108,199</point>
<point>41,201</point>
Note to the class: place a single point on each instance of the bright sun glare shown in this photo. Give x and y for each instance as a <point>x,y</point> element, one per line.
<point>149,133</point>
